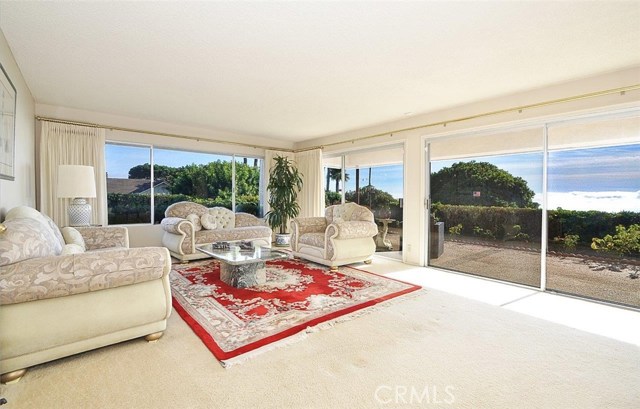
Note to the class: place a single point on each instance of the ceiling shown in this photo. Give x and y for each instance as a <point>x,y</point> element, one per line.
<point>300,70</point>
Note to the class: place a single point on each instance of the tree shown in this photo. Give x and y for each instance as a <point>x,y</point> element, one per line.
<point>208,180</point>
<point>378,200</point>
<point>336,174</point>
<point>458,183</point>
<point>160,172</point>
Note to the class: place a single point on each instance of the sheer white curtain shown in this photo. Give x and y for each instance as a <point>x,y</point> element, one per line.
<point>311,198</point>
<point>65,144</point>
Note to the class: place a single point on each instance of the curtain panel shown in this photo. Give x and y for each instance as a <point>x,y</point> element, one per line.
<point>311,198</point>
<point>66,144</point>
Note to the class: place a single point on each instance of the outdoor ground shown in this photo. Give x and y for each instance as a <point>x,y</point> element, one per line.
<point>585,276</point>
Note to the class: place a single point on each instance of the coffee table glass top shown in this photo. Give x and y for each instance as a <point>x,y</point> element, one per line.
<point>235,257</point>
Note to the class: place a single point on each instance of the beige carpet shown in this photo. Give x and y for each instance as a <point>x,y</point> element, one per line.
<point>479,355</point>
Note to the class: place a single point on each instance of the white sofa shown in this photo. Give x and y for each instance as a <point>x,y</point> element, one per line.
<point>60,296</point>
<point>183,229</point>
<point>343,236</point>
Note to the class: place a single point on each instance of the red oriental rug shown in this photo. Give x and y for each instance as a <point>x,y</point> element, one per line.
<point>297,295</point>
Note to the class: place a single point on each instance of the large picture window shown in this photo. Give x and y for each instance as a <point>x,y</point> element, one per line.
<point>143,178</point>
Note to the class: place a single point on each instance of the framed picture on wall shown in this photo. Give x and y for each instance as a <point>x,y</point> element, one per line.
<point>7,126</point>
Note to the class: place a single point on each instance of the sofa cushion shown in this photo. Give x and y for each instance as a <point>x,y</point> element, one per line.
<point>72,249</point>
<point>208,221</point>
<point>239,233</point>
<point>312,239</point>
<point>73,236</point>
<point>27,238</point>
<point>195,220</point>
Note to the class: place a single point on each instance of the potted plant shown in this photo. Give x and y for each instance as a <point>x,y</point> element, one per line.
<point>284,184</point>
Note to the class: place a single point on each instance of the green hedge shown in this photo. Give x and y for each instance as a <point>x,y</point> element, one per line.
<point>134,208</point>
<point>499,222</point>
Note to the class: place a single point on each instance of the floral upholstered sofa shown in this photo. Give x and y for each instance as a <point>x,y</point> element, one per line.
<point>343,236</point>
<point>65,291</point>
<point>187,225</point>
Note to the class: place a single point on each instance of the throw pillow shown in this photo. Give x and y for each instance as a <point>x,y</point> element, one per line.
<point>208,221</point>
<point>73,236</point>
<point>195,220</point>
<point>72,249</point>
<point>25,239</point>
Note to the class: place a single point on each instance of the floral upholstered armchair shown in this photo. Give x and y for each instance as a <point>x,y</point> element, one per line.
<point>66,291</point>
<point>343,236</point>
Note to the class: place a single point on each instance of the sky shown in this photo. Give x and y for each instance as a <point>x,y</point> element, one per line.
<point>606,179</point>
<point>121,158</point>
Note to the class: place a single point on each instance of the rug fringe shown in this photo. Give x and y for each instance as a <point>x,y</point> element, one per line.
<point>293,339</point>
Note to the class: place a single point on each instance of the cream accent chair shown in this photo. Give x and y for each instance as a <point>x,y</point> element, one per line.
<point>183,229</point>
<point>343,236</point>
<point>62,293</point>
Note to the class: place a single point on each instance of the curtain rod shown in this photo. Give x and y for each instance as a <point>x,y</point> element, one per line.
<point>171,135</point>
<point>620,90</point>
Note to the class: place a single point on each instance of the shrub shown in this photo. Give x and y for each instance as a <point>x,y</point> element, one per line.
<point>578,226</point>
<point>332,198</point>
<point>494,222</point>
<point>569,241</point>
<point>516,234</point>
<point>626,241</point>
<point>456,230</point>
<point>587,224</point>
<point>129,208</point>
<point>479,231</point>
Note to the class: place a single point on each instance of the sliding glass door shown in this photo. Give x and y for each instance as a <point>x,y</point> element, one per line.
<point>485,214</point>
<point>373,178</point>
<point>594,209</point>
<point>555,207</point>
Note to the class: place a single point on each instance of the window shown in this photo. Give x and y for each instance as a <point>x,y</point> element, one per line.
<point>128,183</point>
<point>333,180</point>
<point>248,173</point>
<point>198,177</point>
<point>178,175</point>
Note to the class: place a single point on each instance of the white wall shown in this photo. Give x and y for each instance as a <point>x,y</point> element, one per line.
<point>22,190</point>
<point>143,235</point>
<point>415,175</point>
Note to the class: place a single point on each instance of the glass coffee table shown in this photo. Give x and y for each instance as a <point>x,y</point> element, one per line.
<point>242,268</point>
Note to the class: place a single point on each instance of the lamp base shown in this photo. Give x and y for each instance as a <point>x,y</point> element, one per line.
<point>79,212</point>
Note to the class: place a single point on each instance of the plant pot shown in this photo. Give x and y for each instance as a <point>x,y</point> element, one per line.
<point>283,239</point>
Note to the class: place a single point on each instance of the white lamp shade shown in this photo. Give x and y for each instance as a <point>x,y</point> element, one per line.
<point>76,181</point>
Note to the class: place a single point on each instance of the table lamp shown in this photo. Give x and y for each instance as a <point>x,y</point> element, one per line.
<point>77,182</point>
